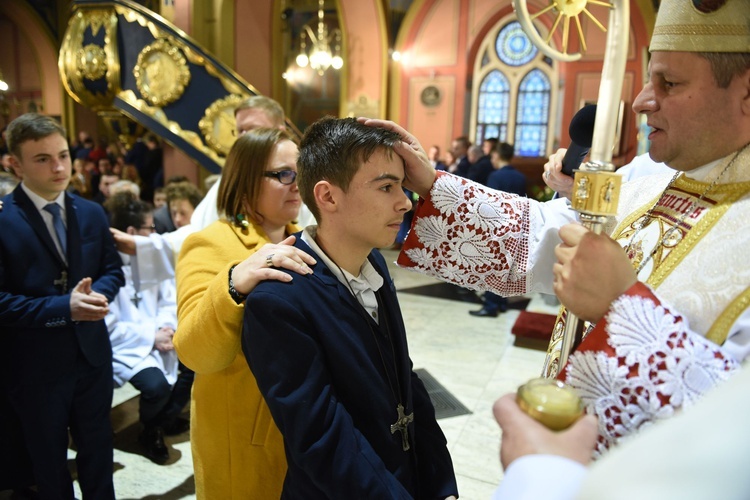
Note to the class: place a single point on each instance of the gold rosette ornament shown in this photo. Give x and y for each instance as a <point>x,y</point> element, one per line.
<point>161,73</point>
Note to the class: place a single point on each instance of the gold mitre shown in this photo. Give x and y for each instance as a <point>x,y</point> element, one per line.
<point>702,26</point>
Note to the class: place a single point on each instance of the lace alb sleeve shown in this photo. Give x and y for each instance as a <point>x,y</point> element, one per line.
<point>483,239</point>
<point>642,363</point>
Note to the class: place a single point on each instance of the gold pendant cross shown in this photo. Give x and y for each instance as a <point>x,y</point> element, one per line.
<point>401,425</point>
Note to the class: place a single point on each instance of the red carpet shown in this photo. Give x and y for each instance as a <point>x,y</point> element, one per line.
<point>533,330</point>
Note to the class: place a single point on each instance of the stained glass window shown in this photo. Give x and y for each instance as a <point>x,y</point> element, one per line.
<point>532,115</point>
<point>513,46</point>
<point>492,107</point>
<point>513,90</point>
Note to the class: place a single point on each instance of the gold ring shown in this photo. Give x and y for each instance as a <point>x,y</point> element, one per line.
<point>269,260</point>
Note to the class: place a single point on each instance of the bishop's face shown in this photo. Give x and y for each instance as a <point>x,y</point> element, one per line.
<point>693,121</point>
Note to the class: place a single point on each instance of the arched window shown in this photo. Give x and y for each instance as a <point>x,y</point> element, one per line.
<point>532,114</point>
<point>513,46</point>
<point>494,97</point>
<point>514,91</point>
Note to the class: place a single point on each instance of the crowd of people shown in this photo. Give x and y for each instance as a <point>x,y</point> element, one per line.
<point>290,337</point>
<point>91,192</point>
<point>168,332</point>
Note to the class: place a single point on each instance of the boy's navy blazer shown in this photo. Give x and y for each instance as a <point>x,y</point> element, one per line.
<point>311,347</point>
<point>39,339</point>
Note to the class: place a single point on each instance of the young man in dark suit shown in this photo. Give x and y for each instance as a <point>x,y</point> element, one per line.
<point>460,149</point>
<point>329,349</point>
<point>58,271</point>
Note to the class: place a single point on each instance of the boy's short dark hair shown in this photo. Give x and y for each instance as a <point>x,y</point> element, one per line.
<point>31,127</point>
<point>184,191</point>
<point>126,209</point>
<point>333,149</point>
<point>505,151</point>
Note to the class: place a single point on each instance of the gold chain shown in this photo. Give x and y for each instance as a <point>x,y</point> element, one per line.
<point>668,233</point>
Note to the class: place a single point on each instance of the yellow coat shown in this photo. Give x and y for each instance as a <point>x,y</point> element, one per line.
<point>238,452</point>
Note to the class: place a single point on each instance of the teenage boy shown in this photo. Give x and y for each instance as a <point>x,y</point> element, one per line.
<point>58,272</point>
<point>329,350</point>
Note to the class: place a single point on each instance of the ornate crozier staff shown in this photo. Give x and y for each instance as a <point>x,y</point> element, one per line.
<point>596,187</point>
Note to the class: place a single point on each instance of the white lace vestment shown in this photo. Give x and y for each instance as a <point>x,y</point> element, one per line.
<point>487,240</point>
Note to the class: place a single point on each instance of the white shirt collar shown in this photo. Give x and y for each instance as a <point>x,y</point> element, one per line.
<point>700,173</point>
<point>363,287</point>
<point>368,277</point>
<point>40,202</point>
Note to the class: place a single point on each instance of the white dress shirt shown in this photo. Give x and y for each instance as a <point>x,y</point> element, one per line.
<point>363,287</point>
<point>40,203</point>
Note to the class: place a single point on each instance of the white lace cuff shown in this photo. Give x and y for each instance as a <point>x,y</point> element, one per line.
<point>642,363</point>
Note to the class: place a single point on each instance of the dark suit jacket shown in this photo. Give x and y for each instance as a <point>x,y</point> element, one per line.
<point>508,179</point>
<point>163,220</point>
<point>479,171</point>
<point>15,463</point>
<point>463,167</point>
<point>40,341</point>
<point>312,349</point>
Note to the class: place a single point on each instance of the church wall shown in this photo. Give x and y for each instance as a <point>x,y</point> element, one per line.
<point>184,15</point>
<point>439,40</point>
<point>30,61</point>
<point>252,46</point>
<point>366,61</point>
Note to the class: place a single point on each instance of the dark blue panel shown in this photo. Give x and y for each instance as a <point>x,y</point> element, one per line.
<point>200,93</point>
<point>156,127</point>
<point>131,39</point>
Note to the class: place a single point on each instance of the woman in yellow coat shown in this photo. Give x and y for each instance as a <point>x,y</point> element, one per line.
<point>238,452</point>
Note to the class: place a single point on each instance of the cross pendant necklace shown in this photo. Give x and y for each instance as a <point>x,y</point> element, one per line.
<point>402,425</point>
<point>62,281</point>
<point>402,419</point>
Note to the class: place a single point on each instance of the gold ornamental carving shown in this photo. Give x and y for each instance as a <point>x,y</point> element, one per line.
<point>217,124</point>
<point>158,114</point>
<point>79,63</point>
<point>161,73</point>
<point>92,62</point>
<point>98,19</point>
<point>596,193</point>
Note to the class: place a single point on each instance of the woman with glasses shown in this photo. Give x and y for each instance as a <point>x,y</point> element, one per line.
<point>237,450</point>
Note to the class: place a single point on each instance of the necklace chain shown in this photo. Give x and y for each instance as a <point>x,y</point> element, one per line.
<point>646,219</point>
<point>402,419</point>
<point>397,397</point>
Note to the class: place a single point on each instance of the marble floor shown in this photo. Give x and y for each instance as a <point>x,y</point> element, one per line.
<point>473,358</point>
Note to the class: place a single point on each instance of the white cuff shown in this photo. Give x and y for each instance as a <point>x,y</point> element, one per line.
<point>532,477</point>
